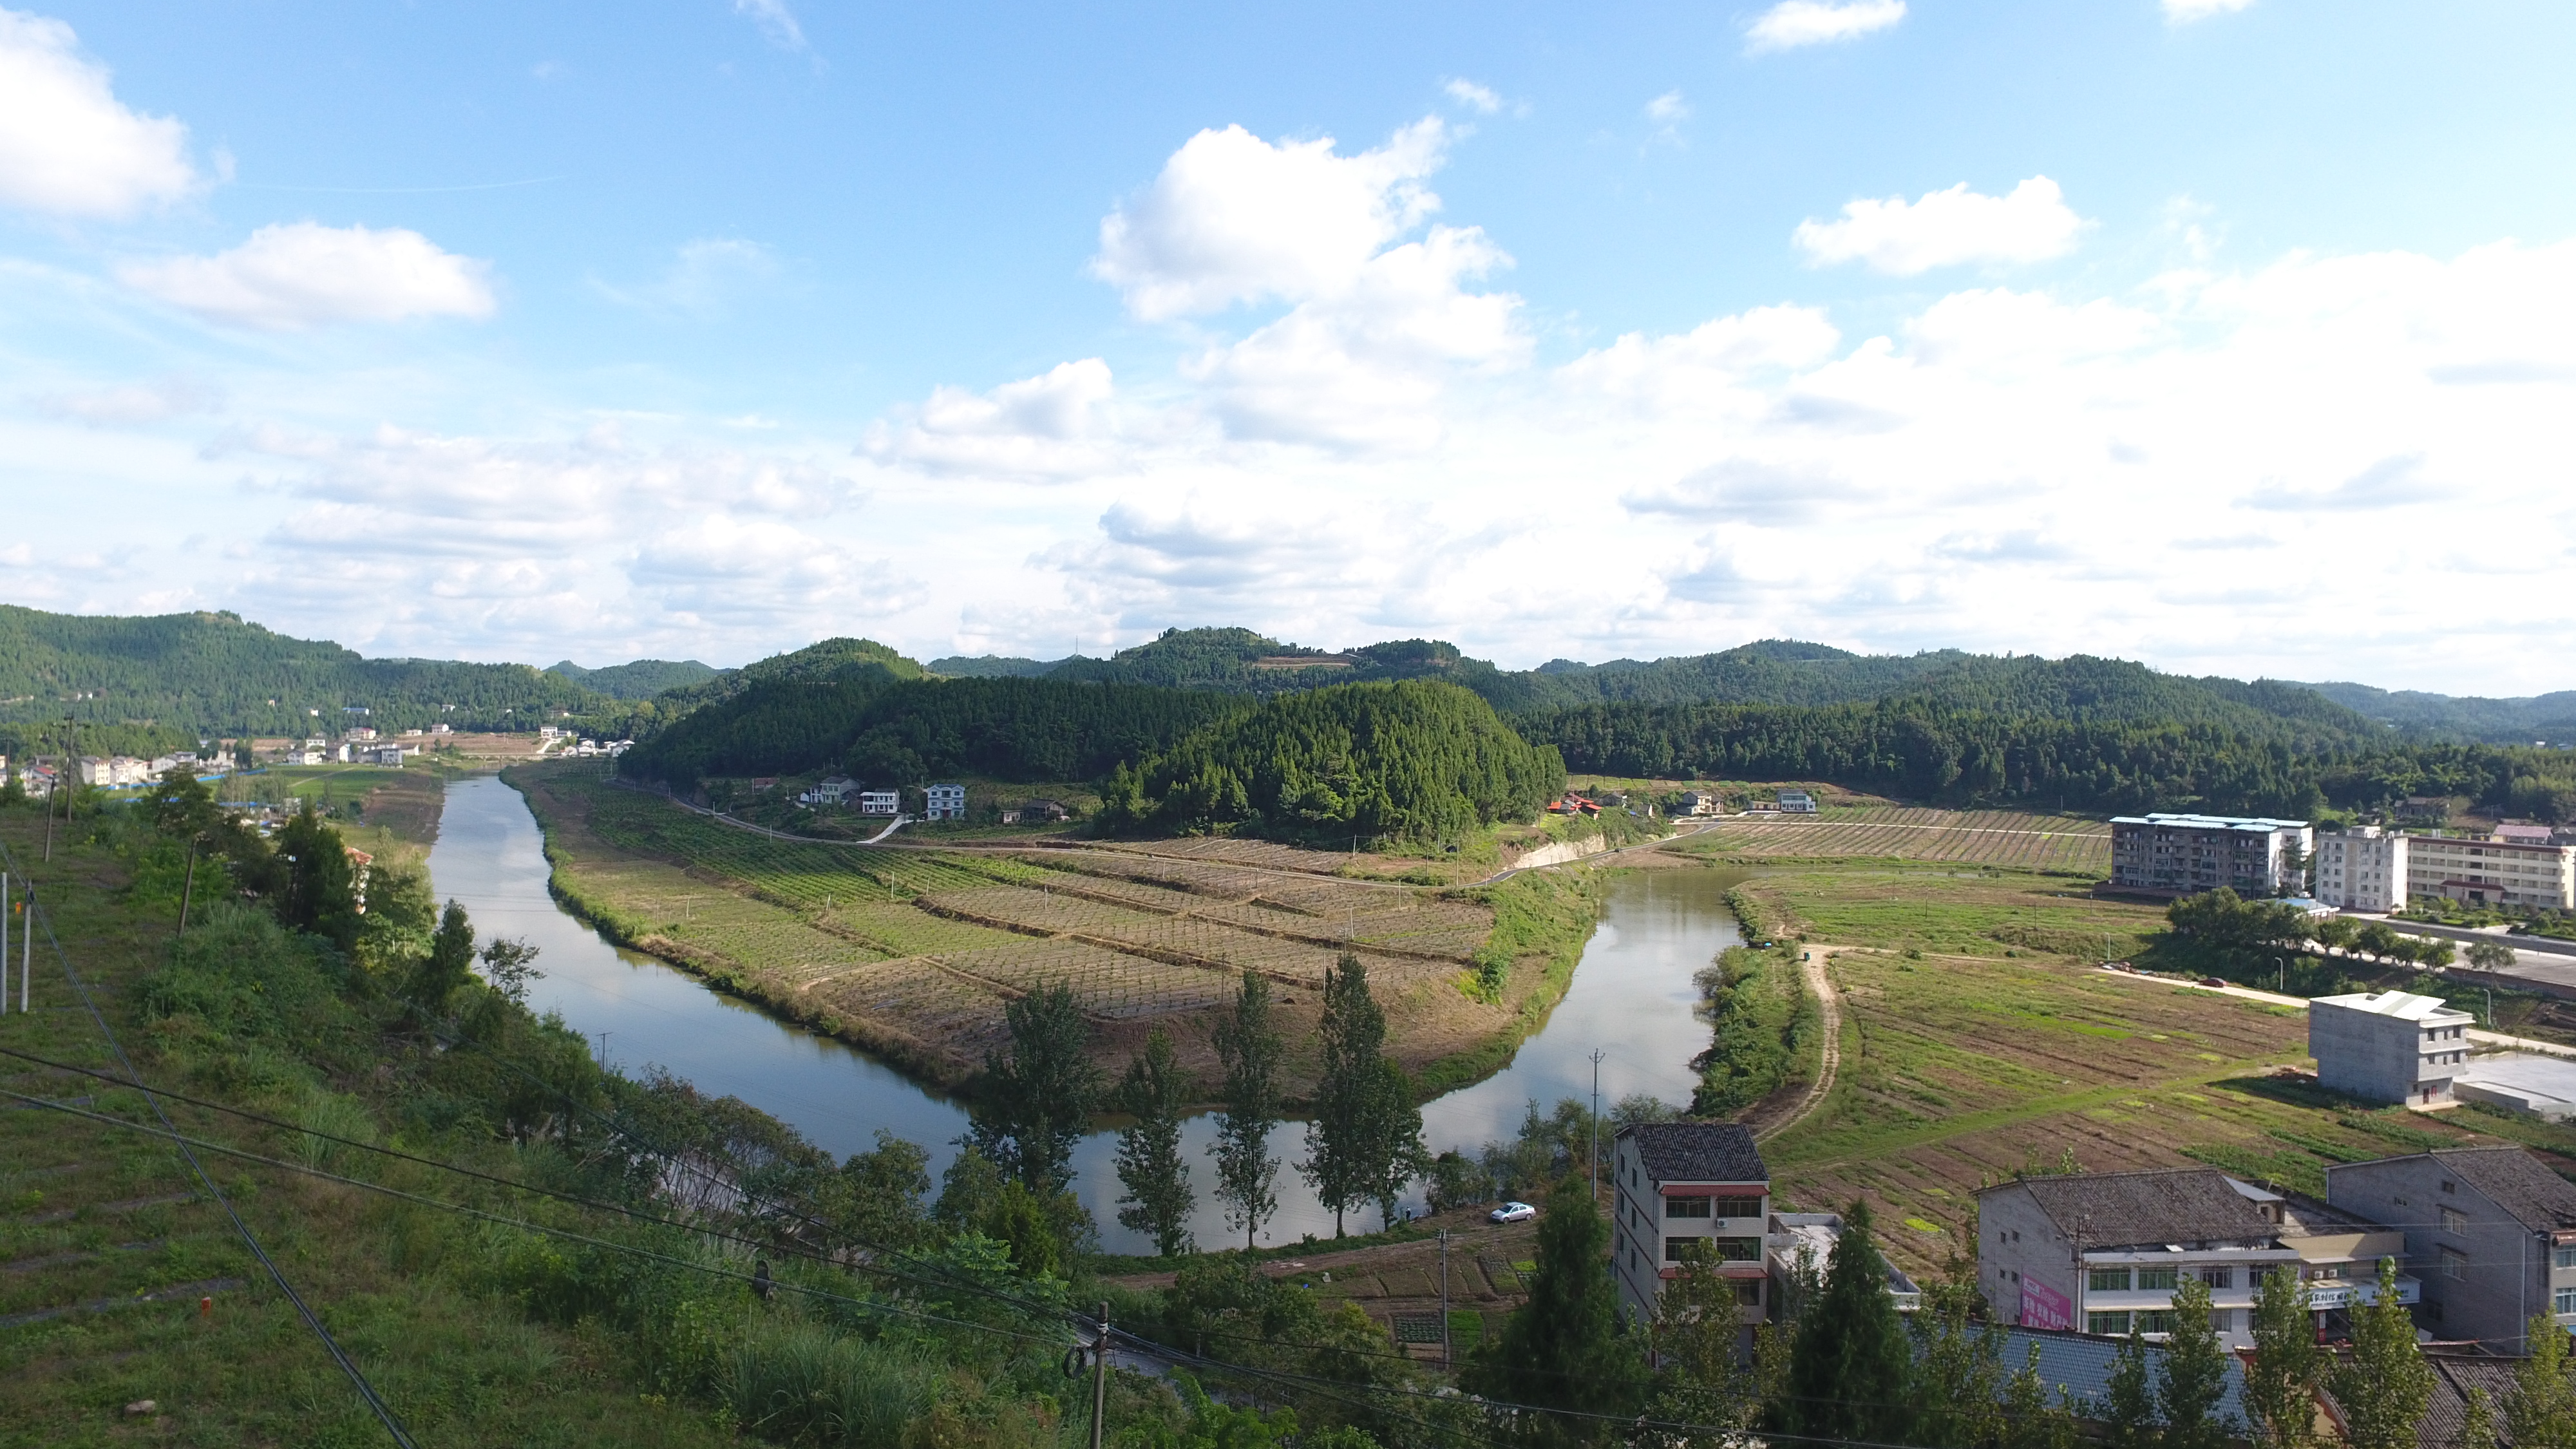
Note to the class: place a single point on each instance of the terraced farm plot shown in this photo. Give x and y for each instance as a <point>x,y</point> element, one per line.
<point>916,953</point>
<point>2005,839</point>
<point>1961,911</point>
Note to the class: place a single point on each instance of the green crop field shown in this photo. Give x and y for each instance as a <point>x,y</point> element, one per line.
<point>2003,839</point>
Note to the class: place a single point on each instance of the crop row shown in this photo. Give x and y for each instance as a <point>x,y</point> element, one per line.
<point>2028,842</point>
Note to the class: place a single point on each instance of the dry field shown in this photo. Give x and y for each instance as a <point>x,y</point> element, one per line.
<point>2005,839</point>
<point>914,953</point>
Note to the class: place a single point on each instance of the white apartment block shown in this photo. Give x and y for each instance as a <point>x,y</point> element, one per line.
<point>880,802</point>
<point>2171,854</point>
<point>943,802</point>
<point>2483,870</point>
<point>2361,869</point>
<point>1679,1183</point>
<point>2388,1046</point>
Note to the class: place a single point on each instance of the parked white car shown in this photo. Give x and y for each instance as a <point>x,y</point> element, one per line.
<point>1512,1212</point>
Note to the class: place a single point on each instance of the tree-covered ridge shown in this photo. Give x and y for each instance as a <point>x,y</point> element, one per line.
<point>1412,760</point>
<point>2550,717</point>
<point>908,731</point>
<point>637,679</point>
<point>213,673</point>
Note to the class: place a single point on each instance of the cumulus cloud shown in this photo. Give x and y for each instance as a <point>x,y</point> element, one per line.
<point>1480,99</point>
<point>2183,12</point>
<point>2032,223</point>
<point>1234,218</point>
<point>1793,23</point>
<point>1041,428</point>
<point>68,146</point>
<point>300,275</point>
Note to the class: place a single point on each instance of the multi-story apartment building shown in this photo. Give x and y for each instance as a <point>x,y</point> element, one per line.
<point>2103,1252</point>
<point>2490,1229</point>
<point>2178,855</point>
<point>943,802</point>
<point>2360,869</point>
<point>2388,1046</point>
<point>1684,1182</point>
<point>2484,870</point>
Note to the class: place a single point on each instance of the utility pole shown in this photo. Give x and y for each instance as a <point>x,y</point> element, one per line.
<point>1447,1363</point>
<point>1100,1378</point>
<point>4,943</point>
<point>188,889</point>
<point>1596,1123</point>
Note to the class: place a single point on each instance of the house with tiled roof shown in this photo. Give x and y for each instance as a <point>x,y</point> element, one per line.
<point>2490,1230</point>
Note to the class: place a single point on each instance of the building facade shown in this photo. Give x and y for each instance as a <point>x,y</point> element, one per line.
<point>943,802</point>
<point>2490,1230</point>
<point>1797,802</point>
<point>2484,870</point>
<point>2362,869</point>
<point>1680,1183</point>
<point>2388,1046</point>
<point>2167,854</point>
<point>880,802</point>
<point>2103,1252</point>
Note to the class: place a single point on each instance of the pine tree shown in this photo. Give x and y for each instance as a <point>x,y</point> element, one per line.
<point>1850,1371</point>
<point>2385,1385</point>
<point>1249,1048</point>
<point>449,964</point>
<point>2540,1408</point>
<point>1039,1098</point>
<point>2129,1401</point>
<point>2193,1378</point>
<point>1158,1198</point>
<point>2281,1382</point>
<point>1564,1348</point>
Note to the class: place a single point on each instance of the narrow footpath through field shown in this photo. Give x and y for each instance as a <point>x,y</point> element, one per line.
<point>1768,1120</point>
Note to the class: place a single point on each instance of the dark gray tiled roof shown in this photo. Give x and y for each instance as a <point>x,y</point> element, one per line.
<point>2115,1209</point>
<point>2076,1369</point>
<point>2515,1181</point>
<point>1697,1151</point>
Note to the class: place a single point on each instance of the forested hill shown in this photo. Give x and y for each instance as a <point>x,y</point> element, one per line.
<point>1407,761</point>
<point>2547,717</point>
<point>639,679</point>
<point>186,675</point>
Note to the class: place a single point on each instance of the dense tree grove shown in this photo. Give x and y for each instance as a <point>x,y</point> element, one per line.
<point>1920,750</point>
<point>1405,761</point>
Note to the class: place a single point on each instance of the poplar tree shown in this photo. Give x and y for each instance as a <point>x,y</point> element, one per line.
<point>2540,1408</point>
<point>2281,1381</point>
<point>1564,1349</point>
<point>1959,1373</point>
<point>2031,1419</point>
<point>449,964</point>
<point>1850,1371</point>
<point>2192,1381</point>
<point>1158,1198</point>
<point>2477,1423</point>
<point>2129,1400</point>
<point>1039,1098</point>
<point>1249,1048</point>
<point>2385,1386</point>
<point>1365,1143</point>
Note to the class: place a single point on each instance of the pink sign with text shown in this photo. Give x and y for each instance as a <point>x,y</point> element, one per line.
<point>2044,1307</point>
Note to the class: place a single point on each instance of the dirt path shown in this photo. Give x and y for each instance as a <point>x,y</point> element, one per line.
<point>1773,1118</point>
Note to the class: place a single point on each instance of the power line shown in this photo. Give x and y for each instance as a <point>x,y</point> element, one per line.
<point>367,1391</point>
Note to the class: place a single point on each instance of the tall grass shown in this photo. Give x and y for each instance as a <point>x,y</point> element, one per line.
<point>800,1382</point>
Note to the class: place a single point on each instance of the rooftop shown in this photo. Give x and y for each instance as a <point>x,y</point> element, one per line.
<point>2118,1209</point>
<point>1697,1151</point>
<point>2398,1004</point>
<point>2511,1178</point>
<point>2210,822</point>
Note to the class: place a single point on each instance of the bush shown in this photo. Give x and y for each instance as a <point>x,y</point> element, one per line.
<point>801,1383</point>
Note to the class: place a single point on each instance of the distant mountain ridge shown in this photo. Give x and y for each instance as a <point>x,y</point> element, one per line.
<point>2549,718</point>
<point>637,679</point>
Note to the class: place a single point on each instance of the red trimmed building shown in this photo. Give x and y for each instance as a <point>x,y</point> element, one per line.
<point>1682,1181</point>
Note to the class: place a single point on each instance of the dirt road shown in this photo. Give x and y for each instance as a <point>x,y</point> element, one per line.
<point>1774,1117</point>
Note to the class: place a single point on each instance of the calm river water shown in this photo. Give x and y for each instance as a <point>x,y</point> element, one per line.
<point>1631,999</point>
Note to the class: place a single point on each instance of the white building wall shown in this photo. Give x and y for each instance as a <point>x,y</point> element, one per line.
<point>2504,872</point>
<point>2361,870</point>
<point>2384,1056</point>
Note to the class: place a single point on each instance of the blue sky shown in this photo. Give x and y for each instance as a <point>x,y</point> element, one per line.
<point>2223,335</point>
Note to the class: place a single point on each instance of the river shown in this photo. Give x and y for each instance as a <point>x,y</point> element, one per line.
<point>1631,999</point>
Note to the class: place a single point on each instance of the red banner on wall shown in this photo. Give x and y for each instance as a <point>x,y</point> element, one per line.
<point>2044,1307</point>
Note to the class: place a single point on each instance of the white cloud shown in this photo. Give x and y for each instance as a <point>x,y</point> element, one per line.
<point>704,278</point>
<point>1793,23</point>
<point>299,274</point>
<point>67,145</point>
<point>1234,218</point>
<point>132,404</point>
<point>1946,228</point>
<point>2183,12</point>
<point>1051,426</point>
<point>1480,99</point>
<point>777,23</point>
<point>1668,110</point>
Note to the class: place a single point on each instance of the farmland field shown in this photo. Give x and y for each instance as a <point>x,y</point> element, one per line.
<point>913,953</point>
<point>2004,839</point>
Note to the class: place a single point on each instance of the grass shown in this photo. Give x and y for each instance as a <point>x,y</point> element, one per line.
<point>2005,839</point>
<point>1914,906</point>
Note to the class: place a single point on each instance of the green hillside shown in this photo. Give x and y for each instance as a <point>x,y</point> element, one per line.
<point>195,674</point>
<point>639,679</point>
<point>1411,761</point>
<point>2550,717</point>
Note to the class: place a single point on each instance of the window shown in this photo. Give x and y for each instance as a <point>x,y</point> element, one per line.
<point>2154,1320</point>
<point>1749,1293</point>
<point>2454,1221</point>
<point>1676,1248</point>
<point>2111,1323</point>
<point>1685,1207</point>
<point>2110,1280</point>
<point>2455,1264</point>
<point>2157,1278</point>
<point>2562,1258</point>
<point>2563,1301</point>
<point>2218,1277</point>
<point>1737,1250</point>
<point>1736,1207</point>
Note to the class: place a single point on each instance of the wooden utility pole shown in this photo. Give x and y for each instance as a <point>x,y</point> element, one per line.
<point>1447,1363</point>
<point>1100,1378</point>
<point>188,889</point>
